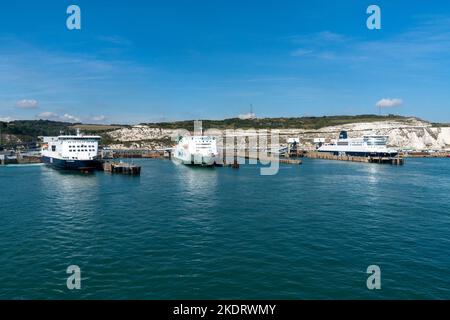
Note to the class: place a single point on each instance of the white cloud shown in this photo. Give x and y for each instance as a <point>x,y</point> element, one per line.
<point>67,117</point>
<point>389,103</point>
<point>47,116</point>
<point>27,104</point>
<point>70,118</point>
<point>56,117</point>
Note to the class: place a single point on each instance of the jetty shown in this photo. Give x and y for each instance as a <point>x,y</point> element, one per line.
<point>19,159</point>
<point>418,154</point>
<point>381,160</point>
<point>247,155</point>
<point>137,153</point>
<point>275,159</point>
<point>121,168</point>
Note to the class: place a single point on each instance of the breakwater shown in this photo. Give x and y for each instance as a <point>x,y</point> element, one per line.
<point>19,159</point>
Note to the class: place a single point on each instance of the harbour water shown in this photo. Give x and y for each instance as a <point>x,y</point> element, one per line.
<point>177,232</point>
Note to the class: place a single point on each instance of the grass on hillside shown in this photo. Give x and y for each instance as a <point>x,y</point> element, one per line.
<point>96,127</point>
<point>277,123</point>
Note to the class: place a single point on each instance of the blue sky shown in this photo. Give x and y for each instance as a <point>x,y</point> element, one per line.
<point>141,61</point>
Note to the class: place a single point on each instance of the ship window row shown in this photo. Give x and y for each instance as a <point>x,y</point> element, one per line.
<point>91,148</point>
<point>84,150</point>
<point>81,146</point>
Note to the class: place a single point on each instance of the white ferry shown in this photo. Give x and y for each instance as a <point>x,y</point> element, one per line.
<point>74,152</point>
<point>196,150</point>
<point>369,145</point>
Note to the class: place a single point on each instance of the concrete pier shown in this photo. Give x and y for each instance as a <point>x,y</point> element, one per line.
<point>247,155</point>
<point>121,168</point>
<point>138,153</point>
<point>441,154</point>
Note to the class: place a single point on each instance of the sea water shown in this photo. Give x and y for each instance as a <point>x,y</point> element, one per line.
<point>176,232</point>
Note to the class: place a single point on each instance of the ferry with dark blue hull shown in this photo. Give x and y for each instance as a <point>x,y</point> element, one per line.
<point>367,146</point>
<point>72,164</point>
<point>71,152</point>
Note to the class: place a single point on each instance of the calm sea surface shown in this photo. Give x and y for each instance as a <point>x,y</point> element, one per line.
<point>176,232</point>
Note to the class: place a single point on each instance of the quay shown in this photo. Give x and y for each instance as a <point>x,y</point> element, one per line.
<point>381,160</point>
<point>280,160</point>
<point>235,163</point>
<point>425,154</point>
<point>138,154</point>
<point>271,158</point>
<point>19,159</point>
<point>121,168</point>
<point>247,155</point>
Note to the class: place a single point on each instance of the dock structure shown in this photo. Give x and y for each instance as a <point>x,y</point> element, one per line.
<point>440,154</point>
<point>18,158</point>
<point>21,159</point>
<point>276,159</point>
<point>270,158</point>
<point>5,160</point>
<point>138,153</point>
<point>121,168</point>
<point>380,160</point>
<point>388,160</point>
<point>167,154</point>
<point>292,150</point>
<point>292,153</point>
<point>247,155</point>
<point>153,155</point>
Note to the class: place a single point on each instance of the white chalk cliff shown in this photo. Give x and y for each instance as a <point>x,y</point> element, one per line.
<point>409,133</point>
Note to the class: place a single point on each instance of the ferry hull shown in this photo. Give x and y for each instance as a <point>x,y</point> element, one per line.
<point>203,161</point>
<point>82,165</point>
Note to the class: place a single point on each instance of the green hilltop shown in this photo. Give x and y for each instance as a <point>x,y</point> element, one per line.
<point>277,123</point>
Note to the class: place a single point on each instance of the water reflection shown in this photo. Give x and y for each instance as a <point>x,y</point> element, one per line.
<point>73,198</point>
<point>197,181</point>
<point>373,174</point>
<point>199,187</point>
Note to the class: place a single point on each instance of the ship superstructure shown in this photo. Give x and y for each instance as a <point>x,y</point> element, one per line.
<point>196,150</point>
<point>76,152</point>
